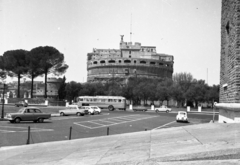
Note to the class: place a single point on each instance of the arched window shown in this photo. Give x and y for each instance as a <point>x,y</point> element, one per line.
<point>143,62</point>
<point>111,61</point>
<point>152,63</point>
<point>102,62</point>
<point>119,61</point>
<point>95,62</point>
<point>127,61</point>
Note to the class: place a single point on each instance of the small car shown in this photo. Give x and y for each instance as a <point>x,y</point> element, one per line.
<point>92,109</point>
<point>73,110</point>
<point>21,103</point>
<point>163,108</point>
<point>28,114</point>
<point>182,116</point>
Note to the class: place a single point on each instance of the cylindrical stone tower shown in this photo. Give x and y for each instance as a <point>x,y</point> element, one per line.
<point>128,61</point>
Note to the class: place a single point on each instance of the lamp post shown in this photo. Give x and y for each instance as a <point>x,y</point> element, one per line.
<point>2,116</point>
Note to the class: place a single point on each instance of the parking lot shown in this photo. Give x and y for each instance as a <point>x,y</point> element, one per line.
<point>75,127</point>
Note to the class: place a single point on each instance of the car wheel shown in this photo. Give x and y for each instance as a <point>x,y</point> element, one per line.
<point>34,121</point>
<point>61,114</point>
<point>17,120</point>
<point>99,112</point>
<point>110,108</point>
<point>78,114</point>
<point>167,111</point>
<point>40,120</point>
<point>157,111</point>
<point>82,114</point>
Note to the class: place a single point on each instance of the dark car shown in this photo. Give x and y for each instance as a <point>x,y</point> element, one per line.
<point>21,103</point>
<point>28,114</point>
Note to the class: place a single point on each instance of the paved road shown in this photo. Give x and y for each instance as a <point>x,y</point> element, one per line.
<point>116,122</point>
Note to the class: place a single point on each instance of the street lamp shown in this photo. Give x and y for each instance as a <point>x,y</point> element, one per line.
<point>2,116</point>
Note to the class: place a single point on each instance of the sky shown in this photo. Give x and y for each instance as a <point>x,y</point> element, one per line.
<point>187,29</point>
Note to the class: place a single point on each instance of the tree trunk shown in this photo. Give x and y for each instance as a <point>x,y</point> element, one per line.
<point>19,77</point>
<point>45,91</point>
<point>32,87</point>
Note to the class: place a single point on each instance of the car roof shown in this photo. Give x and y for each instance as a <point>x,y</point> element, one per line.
<point>182,112</point>
<point>32,107</point>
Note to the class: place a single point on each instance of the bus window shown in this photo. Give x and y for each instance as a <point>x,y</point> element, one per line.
<point>94,100</point>
<point>81,99</point>
<point>103,100</point>
<point>87,99</point>
<point>110,100</point>
<point>114,100</point>
<point>91,100</point>
<point>119,100</point>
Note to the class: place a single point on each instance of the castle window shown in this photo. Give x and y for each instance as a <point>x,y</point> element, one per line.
<point>127,61</point>
<point>130,56</point>
<point>134,62</point>
<point>119,61</point>
<point>102,62</point>
<point>152,63</point>
<point>130,52</point>
<point>228,28</point>
<point>160,63</point>
<point>95,62</point>
<point>111,61</point>
<point>143,62</point>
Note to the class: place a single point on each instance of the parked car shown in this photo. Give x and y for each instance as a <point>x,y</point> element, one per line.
<point>21,103</point>
<point>73,110</point>
<point>163,108</point>
<point>182,116</point>
<point>28,114</point>
<point>93,109</point>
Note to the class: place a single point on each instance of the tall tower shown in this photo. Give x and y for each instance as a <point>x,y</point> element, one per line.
<point>230,52</point>
<point>229,106</point>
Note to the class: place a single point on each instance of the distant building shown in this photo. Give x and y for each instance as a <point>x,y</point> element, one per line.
<point>128,61</point>
<point>53,85</point>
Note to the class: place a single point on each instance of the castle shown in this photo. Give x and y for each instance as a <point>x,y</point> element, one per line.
<point>128,61</point>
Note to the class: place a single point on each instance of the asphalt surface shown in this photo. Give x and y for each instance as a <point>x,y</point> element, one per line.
<point>209,143</point>
<point>73,127</point>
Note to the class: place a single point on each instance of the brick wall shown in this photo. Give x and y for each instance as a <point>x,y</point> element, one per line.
<point>230,52</point>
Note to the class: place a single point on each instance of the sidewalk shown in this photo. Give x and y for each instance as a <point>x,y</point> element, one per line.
<point>210,143</point>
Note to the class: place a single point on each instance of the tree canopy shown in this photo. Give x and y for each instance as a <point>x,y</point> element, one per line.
<point>51,61</point>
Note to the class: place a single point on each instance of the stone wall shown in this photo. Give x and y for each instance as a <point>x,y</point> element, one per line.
<point>230,52</point>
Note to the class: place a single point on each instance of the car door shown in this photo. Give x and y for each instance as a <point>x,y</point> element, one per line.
<point>28,115</point>
<point>37,114</point>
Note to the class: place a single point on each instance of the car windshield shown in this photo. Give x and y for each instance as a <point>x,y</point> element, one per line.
<point>21,110</point>
<point>94,107</point>
<point>182,113</point>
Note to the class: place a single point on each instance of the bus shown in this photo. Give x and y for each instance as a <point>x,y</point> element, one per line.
<point>109,102</point>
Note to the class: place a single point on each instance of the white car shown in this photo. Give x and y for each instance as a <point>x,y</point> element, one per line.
<point>163,108</point>
<point>73,110</point>
<point>92,109</point>
<point>182,116</point>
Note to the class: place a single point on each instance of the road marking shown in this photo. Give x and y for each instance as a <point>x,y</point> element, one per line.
<point>119,120</point>
<point>22,129</point>
<point>72,117</point>
<point>164,125</point>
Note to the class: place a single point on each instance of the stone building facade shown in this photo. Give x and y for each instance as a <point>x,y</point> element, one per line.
<point>230,62</point>
<point>131,60</point>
